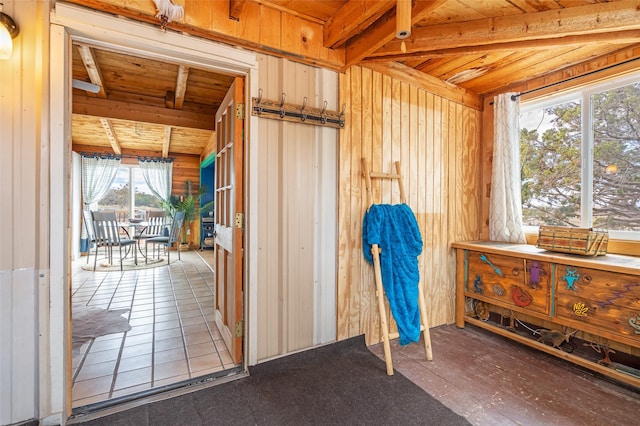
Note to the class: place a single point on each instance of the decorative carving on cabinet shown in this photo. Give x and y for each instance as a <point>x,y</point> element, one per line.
<point>486,260</point>
<point>580,309</point>
<point>521,297</point>
<point>478,285</point>
<point>618,295</point>
<point>571,277</point>
<point>535,273</point>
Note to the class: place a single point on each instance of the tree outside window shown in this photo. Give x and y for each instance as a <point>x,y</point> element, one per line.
<point>124,201</point>
<point>580,160</point>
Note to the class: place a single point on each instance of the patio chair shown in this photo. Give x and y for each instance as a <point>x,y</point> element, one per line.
<point>91,235</point>
<point>166,241</point>
<point>107,234</point>
<point>157,222</point>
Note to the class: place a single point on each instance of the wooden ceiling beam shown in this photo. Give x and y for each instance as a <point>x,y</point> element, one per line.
<point>111,135</point>
<point>352,18</point>
<point>430,83</point>
<point>95,75</point>
<point>552,24</point>
<point>621,37</point>
<point>166,142</point>
<point>383,31</point>
<point>181,86</point>
<point>105,108</point>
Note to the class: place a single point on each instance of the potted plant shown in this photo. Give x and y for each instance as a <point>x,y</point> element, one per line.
<point>187,203</point>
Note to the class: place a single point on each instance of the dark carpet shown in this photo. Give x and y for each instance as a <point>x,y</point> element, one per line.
<point>338,384</point>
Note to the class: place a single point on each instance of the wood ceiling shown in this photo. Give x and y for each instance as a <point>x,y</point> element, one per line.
<point>144,107</point>
<point>481,46</point>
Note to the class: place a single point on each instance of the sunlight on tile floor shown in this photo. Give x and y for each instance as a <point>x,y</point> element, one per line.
<point>173,335</point>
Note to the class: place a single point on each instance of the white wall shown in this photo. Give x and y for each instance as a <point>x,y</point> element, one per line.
<point>24,224</point>
<point>296,210</point>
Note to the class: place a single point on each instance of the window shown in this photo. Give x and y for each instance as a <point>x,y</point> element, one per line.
<point>124,201</point>
<point>580,159</point>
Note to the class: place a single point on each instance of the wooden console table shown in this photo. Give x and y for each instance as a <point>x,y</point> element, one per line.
<point>560,295</point>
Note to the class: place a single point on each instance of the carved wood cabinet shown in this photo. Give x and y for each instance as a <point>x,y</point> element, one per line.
<point>529,294</point>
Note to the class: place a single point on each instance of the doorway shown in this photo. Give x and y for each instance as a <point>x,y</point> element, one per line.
<point>134,38</point>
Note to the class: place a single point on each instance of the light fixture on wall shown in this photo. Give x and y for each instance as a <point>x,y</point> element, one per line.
<point>8,31</point>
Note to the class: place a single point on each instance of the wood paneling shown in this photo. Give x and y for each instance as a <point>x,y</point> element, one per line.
<point>437,142</point>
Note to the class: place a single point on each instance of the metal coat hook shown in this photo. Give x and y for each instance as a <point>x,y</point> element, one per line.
<point>282,113</point>
<point>259,101</point>
<point>303,115</point>
<point>323,116</point>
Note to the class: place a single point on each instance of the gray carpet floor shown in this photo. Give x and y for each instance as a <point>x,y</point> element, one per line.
<point>338,384</point>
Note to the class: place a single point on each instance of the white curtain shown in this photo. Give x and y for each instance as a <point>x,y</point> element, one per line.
<point>505,212</point>
<point>158,174</point>
<point>98,173</point>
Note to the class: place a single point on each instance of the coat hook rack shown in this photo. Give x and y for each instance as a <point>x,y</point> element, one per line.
<point>297,113</point>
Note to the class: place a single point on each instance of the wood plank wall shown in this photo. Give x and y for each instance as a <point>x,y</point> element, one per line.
<point>437,142</point>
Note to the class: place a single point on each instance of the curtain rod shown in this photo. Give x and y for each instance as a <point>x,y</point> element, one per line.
<point>526,92</point>
<point>130,156</point>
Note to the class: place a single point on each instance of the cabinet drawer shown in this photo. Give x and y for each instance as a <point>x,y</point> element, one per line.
<point>603,301</point>
<point>510,280</point>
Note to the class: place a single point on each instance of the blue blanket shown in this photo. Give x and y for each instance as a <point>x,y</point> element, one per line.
<point>395,229</point>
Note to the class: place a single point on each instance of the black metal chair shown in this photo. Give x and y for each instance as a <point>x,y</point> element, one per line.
<point>166,241</point>
<point>107,234</point>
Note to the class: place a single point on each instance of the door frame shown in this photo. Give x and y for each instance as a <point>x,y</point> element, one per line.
<point>70,23</point>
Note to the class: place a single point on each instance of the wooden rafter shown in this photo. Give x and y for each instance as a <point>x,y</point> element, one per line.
<point>92,69</point>
<point>536,27</point>
<point>111,135</point>
<point>622,37</point>
<point>383,31</point>
<point>353,18</point>
<point>181,86</point>
<point>166,143</point>
<point>105,108</point>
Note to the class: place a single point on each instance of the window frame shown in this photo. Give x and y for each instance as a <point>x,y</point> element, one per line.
<point>583,94</point>
<point>131,199</point>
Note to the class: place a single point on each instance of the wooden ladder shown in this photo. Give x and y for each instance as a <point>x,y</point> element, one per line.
<point>375,251</point>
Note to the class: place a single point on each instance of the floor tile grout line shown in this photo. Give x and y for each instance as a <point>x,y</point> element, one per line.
<point>204,317</point>
<point>187,274</point>
<point>202,314</point>
<point>124,337</point>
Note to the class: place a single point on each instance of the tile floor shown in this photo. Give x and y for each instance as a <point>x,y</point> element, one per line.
<point>173,335</point>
